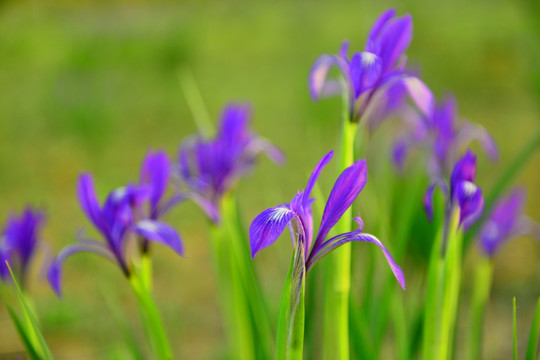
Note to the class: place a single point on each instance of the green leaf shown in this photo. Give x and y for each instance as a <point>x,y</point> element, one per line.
<point>480,298</point>
<point>32,351</point>
<point>195,101</point>
<point>290,332</point>
<point>514,318</point>
<point>532,347</point>
<point>151,320</point>
<point>44,351</point>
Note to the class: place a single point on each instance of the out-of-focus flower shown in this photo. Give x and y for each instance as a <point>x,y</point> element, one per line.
<point>19,242</point>
<point>209,168</point>
<point>269,224</point>
<point>443,136</point>
<point>507,221</point>
<point>375,80</point>
<point>155,174</point>
<point>464,193</point>
<point>116,221</point>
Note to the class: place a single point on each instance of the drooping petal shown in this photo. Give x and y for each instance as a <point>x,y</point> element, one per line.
<point>346,188</point>
<point>267,227</point>
<point>319,84</point>
<point>470,132</point>
<point>259,145</point>
<point>155,172</point>
<point>355,236</point>
<point>55,271</point>
<point>88,200</point>
<point>471,202</point>
<point>420,94</point>
<point>428,197</point>
<point>161,233</point>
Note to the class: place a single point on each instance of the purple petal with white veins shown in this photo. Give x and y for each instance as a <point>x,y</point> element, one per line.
<point>161,233</point>
<point>346,188</point>
<point>267,227</point>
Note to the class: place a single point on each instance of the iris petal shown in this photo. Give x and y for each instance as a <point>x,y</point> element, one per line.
<point>428,197</point>
<point>161,233</point>
<point>471,202</point>
<point>319,84</point>
<point>155,172</point>
<point>55,271</point>
<point>346,188</point>
<point>88,200</point>
<point>268,226</point>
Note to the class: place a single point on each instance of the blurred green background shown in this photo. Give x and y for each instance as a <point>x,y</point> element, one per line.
<point>90,86</point>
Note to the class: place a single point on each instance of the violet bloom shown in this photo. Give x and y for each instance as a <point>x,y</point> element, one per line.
<point>269,224</point>
<point>443,136</point>
<point>209,168</point>
<point>155,174</point>
<point>464,193</point>
<point>19,242</point>
<point>370,75</point>
<point>506,222</point>
<point>116,221</point>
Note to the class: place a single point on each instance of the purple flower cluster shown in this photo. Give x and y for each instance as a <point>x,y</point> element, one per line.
<point>19,241</point>
<point>209,168</point>
<point>463,194</point>
<point>375,81</point>
<point>119,217</point>
<point>505,222</point>
<point>443,136</point>
<point>268,225</point>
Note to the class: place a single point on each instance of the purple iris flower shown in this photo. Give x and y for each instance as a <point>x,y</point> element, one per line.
<point>269,224</point>
<point>506,222</point>
<point>443,135</point>
<point>116,221</point>
<point>375,77</point>
<point>19,242</point>
<point>209,168</point>
<point>155,174</point>
<point>464,193</point>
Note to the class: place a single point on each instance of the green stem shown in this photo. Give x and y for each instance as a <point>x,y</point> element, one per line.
<point>480,298</point>
<point>451,285</point>
<point>514,321</point>
<point>153,326</point>
<point>338,289</point>
<point>235,310</point>
<point>290,336</point>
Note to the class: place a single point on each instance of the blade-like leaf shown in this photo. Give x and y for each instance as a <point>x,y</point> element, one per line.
<point>290,335</point>
<point>514,320</point>
<point>32,351</point>
<point>44,349</point>
<point>532,347</point>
